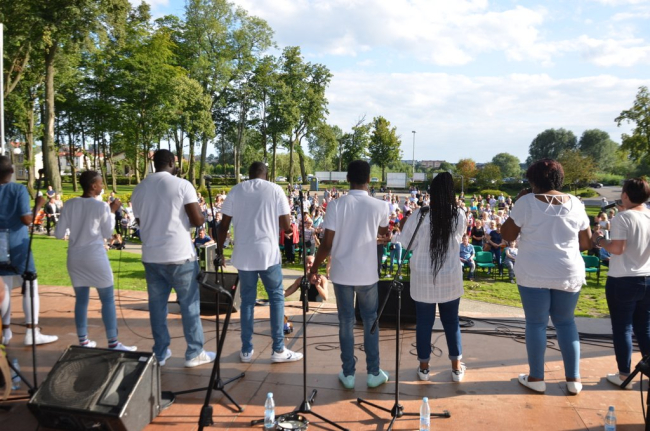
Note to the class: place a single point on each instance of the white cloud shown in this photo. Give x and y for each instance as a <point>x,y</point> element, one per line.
<point>612,52</point>
<point>436,31</point>
<point>621,2</point>
<point>456,116</point>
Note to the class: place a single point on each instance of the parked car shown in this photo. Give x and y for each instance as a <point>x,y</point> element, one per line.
<point>374,180</point>
<point>280,179</point>
<point>595,185</point>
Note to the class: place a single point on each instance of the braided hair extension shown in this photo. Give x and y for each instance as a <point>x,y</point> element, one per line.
<point>443,217</point>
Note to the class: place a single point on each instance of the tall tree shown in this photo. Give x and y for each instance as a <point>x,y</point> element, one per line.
<point>385,145</point>
<point>508,165</point>
<point>550,144</point>
<point>638,143</point>
<point>489,175</point>
<point>578,168</point>
<point>61,22</point>
<point>354,145</point>
<point>466,168</point>
<point>323,145</point>
<point>598,145</point>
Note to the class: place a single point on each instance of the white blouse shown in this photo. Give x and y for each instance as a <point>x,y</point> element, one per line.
<point>448,285</point>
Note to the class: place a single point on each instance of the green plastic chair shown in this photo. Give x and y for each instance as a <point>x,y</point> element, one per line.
<point>484,260</point>
<point>592,264</point>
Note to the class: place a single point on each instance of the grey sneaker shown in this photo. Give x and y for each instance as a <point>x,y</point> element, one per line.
<point>168,355</point>
<point>347,381</point>
<point>377,380</point>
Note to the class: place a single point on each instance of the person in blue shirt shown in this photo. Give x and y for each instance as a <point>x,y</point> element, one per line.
<point>15,216</point>
<point>467,256</point>
<point>496,241</point>
<point>202,239</point>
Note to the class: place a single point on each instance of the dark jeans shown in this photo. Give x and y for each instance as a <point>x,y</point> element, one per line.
<point>628,299</point>
<point>425,315</point>
<point>290,251</point>
<point>496,255</point>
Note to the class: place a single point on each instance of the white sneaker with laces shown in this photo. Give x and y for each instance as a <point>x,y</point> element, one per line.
<point>168,355</point>
<point>246,357</point>
<point>458,375</point>
<point>124,348</point>
<point>90,344</point>
<point>200,359</point>
<point>285,356</point>
<point>39,338</point>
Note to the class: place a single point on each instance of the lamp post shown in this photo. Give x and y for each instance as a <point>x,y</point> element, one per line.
<point>413,177</point>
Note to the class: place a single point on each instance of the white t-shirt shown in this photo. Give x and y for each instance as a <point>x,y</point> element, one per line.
<point>448,285</point>
<point>255,207</point>
<point>355,219</point>
<point>159,202</point>
<point>90,222</point>
<point>549,250</point>
<point>634,227</point>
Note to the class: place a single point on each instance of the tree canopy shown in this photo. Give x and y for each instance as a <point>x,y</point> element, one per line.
<point>638,143</point>
<point>550,144</point>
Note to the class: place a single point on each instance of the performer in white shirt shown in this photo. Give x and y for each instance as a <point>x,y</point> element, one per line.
<point>89,222</point>
<point>258,210</point>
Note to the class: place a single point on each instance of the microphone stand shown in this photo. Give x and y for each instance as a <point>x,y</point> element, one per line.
<point>642,367</point>
<point>305,406</point>
<point>398,410</point>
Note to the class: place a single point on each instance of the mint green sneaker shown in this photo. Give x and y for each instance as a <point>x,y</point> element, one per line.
<point>348,381</point>
<point>377,380</point>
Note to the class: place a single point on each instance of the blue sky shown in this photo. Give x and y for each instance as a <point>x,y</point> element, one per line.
<point>472,77</point>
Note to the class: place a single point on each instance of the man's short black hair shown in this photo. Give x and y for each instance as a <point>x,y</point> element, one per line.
<point>359,172</point>
<point>88,178</point>
<point>256,170</point>
<point>163,159</point>
<point>5,166</point>
<point>637,190</point>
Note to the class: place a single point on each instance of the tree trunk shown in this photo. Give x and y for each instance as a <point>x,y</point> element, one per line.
<point>50,158</point>
<point>191,177</point>
<point>29,158</point>
<point>71,160</point>
<point>291,143</point>
<point>301,160</point>
<point>204,155</point>
<point>273,159</point>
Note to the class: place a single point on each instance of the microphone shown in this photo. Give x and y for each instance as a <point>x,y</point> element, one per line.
<point>424,210</point>
<point>617,202</point>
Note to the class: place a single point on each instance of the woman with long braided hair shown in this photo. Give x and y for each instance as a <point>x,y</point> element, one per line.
<point>436,272</point>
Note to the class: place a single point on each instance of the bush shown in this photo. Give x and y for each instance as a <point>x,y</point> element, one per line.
<point>492,192</point>
<point>610,179</point>
<point>587,193</point>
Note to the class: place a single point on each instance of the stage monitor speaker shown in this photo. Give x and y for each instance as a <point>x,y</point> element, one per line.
<point>208,299</point>
<point>390,311</point>
<point>99,389</point>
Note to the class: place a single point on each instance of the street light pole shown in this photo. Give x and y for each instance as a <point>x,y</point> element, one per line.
<point>413,177</point>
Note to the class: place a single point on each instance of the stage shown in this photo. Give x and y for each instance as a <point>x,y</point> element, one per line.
<point>488,399</point>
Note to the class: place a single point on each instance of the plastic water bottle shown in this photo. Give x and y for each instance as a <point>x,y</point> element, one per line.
<point>269,412</point>
<point>425,415</point>
<point>15,378</point>
<point>610,420</point>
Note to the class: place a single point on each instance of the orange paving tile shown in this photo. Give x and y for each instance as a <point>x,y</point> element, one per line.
<point>489,399</point>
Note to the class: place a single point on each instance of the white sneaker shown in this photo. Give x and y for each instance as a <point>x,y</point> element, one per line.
<point>124,348</point>
<point>285,356</point>
<point>423,374</point>
<point>200,359</point>
<point>40,338</point>
<point>90,344</point>
<point>168,355</point>
<point>458,375</point>
<point>246,357</point>
<point>7,335</point>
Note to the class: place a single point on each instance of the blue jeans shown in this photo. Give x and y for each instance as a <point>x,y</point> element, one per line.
<point>472,267</point>
<point>539,304</point>
<point>368,299</point>
<point>161,278</point>
<point>496,256</point>
<point>426,316</point>
<point>82,298</point>
<point>395,255</point>
<point>628,299</point>
<point>272,281</point>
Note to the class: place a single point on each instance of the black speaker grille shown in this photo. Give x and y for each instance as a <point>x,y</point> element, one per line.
<point>78,381</point>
